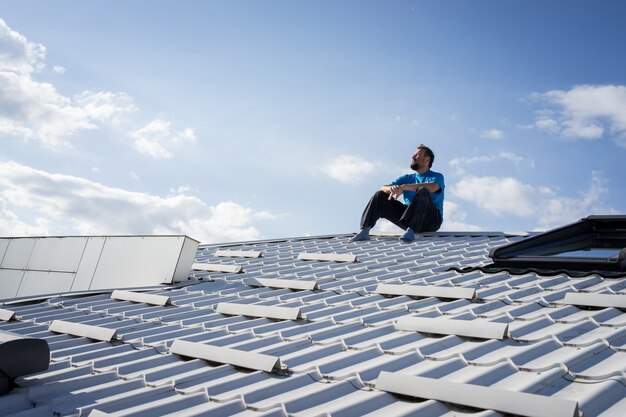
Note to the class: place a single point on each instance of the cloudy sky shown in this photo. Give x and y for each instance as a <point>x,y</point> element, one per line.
<point>236,120</point>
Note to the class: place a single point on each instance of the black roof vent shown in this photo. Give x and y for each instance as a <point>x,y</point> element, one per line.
<point>20,356</point>
<point>595,243</point>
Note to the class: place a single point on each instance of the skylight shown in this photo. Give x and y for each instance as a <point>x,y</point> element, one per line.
<point>595,243</point>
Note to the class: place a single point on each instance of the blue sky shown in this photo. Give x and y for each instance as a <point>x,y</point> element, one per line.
<point>235,120</point>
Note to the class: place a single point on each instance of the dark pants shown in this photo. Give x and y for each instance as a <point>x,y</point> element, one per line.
<point>421,215</point>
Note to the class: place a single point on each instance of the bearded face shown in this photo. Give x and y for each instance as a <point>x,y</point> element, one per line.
<point>420,161</point>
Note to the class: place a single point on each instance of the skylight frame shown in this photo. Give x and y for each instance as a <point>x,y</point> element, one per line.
<point>544,250</point>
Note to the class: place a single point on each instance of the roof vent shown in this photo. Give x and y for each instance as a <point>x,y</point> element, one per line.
<point>83,330</point>
<point>480,329</point>
<point>253,310</point>
<point>334,257</point>
<point>291,284</point>
<point>232,269</point>
<point>6,315</point>
<point>137,297</point>
<point>486,398</point>
<point>238,253</point>
<point>235,357</point>
<point>595,300</point>
<point>426,291</point>
<point>20,356</point>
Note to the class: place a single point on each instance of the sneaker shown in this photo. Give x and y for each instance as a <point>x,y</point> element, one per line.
<point>364,234</point>
<point>408,236</point>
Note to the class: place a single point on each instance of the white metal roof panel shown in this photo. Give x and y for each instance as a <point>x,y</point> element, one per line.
<point>18,253</point>
<point>10,280</point>
<point>57,265</point>
<point>6,315</point>
<point>45,282</point>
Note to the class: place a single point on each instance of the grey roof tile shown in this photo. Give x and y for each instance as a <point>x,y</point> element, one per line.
<point>334,355</point>
<point>127,400</point>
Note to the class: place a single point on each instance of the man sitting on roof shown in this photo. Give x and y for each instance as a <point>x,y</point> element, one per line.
<point>422,192</point>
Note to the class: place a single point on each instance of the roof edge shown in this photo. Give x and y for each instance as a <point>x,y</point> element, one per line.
<point>373,233</point>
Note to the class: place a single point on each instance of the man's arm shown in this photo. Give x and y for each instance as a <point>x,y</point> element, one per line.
<point>432,187</point>
<point>395,191</point>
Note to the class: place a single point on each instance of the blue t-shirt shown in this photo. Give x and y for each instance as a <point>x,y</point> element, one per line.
<point>415,178</point>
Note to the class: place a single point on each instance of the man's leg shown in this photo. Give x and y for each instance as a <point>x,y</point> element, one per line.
<point>422,214</point>
<point>378,207</point>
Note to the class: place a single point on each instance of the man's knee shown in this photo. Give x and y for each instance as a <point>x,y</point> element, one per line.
<point>381,195</point>
<point>422,190</point>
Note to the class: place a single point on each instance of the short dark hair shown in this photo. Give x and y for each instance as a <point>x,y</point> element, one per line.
<point>429,153</point>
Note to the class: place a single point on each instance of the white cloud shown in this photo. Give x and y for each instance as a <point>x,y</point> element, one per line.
<point>558,210</point>
<point>492,134</point>
<point>455,218</point>
<point>385,226</point>
<point>17,54</point>
<point>104,106</point>
<point>459,164</point>
<point>34,110</point>
<point>156,139</point>
<point>58,69</point>
<point>516,159</point>
<point>348,168</point>
<point>402,120</point>
<point>64,204</point>
<point>584,112</point>
<point>10,224</point>
<point>509,196</point>
<point>497,195</point>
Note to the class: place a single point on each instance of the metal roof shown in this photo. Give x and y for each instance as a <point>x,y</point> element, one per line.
<point>519,344</point>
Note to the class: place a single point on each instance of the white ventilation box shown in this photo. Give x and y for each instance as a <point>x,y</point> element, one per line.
<point>224,355</point>
<point>138,297</point>
<point>32,266</point>
<point>238,253</point>
<point>226,268</point>
<point>83,330</point>
<point>469,395</point>
<point>253,310</point>
<point>481,329</point>
<point>595,300</point>
<point>332,257</point>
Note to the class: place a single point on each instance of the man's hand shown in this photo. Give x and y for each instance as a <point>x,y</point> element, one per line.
<point>394,191</point>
